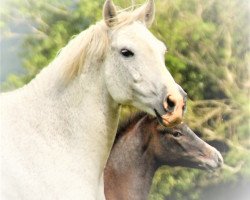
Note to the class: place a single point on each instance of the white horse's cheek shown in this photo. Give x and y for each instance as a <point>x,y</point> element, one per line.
<point>137,77</point>
<point>118,88</point>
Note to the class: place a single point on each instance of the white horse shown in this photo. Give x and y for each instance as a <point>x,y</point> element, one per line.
<point>57,131</point>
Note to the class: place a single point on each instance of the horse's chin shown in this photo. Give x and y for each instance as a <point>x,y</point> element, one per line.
<point>211,165</point>
<point>166,120</point>
<point>208,167</point>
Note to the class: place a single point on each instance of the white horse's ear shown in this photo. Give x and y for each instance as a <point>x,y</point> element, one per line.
<point>109,13</point>
<point>147,13</point>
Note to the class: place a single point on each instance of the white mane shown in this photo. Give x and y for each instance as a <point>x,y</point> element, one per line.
<point>91,43</point>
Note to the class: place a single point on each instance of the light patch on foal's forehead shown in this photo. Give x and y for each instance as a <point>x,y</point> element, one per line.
<point>138,35</point>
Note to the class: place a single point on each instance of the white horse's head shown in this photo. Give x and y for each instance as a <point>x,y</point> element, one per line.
<point>135,71</point>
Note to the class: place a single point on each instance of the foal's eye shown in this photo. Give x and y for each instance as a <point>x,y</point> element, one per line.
<point>127,53</point>
<point>176,134</point>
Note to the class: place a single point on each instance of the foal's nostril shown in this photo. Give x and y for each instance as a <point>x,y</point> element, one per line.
<point>218,159</point>
<point>171,103</point>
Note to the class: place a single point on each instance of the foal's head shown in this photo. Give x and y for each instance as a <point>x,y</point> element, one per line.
<point>135,71</point>
<point>180,146</point>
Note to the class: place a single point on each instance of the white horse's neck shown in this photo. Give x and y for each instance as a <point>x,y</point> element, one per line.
<point>78,121</point>
<point>85,96</point>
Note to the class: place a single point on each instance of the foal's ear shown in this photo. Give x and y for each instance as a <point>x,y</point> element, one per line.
<point>109,13</point>
<point>147,13</point>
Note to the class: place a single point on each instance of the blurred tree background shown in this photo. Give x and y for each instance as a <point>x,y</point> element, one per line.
<point>208,55</point>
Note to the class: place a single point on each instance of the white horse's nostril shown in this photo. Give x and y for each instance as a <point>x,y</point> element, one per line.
<point>170,102</point>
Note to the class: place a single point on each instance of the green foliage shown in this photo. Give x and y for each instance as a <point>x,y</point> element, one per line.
<point>177,184</point>
<point>208,55</point>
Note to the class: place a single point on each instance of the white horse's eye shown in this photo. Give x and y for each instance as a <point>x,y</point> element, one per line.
<point>126,53</point>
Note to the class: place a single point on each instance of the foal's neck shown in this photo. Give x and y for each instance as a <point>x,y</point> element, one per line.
<point>144,162</point>
<point>132,163</point>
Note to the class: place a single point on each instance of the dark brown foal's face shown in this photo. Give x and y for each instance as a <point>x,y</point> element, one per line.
<point>180,146</point>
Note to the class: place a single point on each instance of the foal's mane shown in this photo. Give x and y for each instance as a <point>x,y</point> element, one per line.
<point>128,123</point>
<point>91,45</point>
